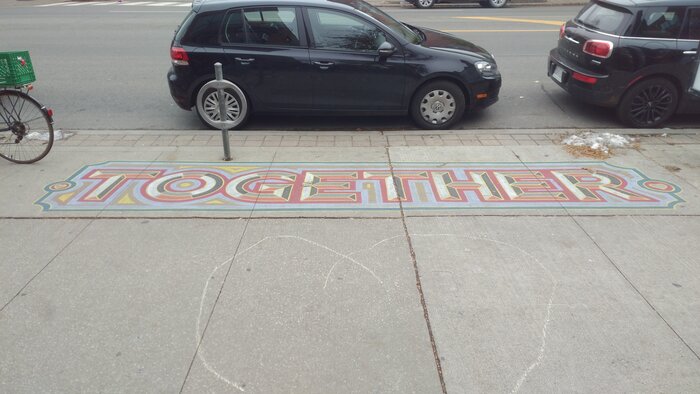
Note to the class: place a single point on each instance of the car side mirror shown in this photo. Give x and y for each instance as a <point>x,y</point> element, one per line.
<point>386,49</point>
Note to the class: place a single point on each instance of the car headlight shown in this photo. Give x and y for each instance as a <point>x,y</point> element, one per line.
<point>486,69</point>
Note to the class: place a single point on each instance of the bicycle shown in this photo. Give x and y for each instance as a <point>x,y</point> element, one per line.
<point>26,126</point>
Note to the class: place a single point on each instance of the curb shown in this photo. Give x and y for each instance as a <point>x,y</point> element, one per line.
<point>462,132</point>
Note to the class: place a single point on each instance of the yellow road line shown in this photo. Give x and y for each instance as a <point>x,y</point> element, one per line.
<point>499,31</point>
<point>497,19</point>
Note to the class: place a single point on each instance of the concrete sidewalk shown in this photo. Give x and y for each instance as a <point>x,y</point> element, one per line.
<point>316,262</point>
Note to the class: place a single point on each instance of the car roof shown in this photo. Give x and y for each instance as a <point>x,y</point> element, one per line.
<point>649,3</point>
<point>215,5</point>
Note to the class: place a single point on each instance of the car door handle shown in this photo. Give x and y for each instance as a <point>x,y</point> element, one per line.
<point>245,60</point>
<point>324,65</point>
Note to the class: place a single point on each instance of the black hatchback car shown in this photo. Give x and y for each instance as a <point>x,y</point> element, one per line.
<point>325,57</point>
<point>638,56</point>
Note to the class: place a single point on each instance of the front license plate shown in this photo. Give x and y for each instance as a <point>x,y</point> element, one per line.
<point>558,74</point>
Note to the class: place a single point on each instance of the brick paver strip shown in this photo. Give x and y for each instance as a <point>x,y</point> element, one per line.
<point>124,143</point>
<point>526,142</point>
<point>504,137</point>
<point>350,139</point>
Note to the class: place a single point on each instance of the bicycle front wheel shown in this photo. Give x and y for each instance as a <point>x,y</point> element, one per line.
<point>26,132</point>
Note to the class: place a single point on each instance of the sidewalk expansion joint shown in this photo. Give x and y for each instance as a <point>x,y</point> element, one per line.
<point>419,286</point>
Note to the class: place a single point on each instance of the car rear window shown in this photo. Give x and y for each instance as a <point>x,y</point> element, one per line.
<point>204,30</point>
<point>604,18</point>
<point>182,29</point>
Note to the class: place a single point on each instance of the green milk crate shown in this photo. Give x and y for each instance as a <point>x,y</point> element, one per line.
<point>16,69</point>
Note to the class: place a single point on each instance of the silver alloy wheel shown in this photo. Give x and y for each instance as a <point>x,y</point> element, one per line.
<point>426,3</point>
<point>236,106</point>
<point>438,106</point>
<point>497,3</point>
<point>211,106</point>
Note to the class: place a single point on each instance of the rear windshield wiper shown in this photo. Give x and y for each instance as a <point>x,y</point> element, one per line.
<point>584,24</point>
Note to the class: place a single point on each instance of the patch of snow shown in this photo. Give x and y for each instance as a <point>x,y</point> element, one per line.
<point>44,136</point>
<point>598,141</point>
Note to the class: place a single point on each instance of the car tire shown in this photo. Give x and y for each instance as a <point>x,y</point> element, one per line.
<point>424,3</point>
<point>649,103</point>
<point>494,3</point>
<point>207,106</point>
<point>437,105</point>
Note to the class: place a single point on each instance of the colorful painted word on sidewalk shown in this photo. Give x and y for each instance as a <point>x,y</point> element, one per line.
<point>115,186</point>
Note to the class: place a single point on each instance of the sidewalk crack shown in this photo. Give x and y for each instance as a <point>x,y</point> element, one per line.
<point>419,285</point>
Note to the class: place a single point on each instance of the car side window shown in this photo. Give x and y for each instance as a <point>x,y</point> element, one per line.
<point>234,28</point>
<point>692,29</point>
<point>659,22</point>
<point>262,26</point>
<point>340,31</point>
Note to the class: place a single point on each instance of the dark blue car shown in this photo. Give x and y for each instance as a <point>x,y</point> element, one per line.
<point>325,57</point>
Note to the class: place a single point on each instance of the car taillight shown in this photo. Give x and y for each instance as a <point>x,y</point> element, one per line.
<point>179,56</point>
<point>584,78</point>
<point>562,31</point>
<point>598,48</point>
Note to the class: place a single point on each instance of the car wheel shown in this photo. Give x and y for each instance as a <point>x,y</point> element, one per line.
<point>424,3</point>
<point>649,103</point>
<point>495,3</point>
<point>236,107</point>
<point>437,105</point>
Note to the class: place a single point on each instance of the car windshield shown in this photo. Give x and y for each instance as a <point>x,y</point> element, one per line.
<point>396,26</point>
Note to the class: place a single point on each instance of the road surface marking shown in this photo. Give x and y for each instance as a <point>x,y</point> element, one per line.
<point>518,20</point>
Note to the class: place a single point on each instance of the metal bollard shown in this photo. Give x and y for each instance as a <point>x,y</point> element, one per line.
<point>222,110</point>
<point>221,85</point>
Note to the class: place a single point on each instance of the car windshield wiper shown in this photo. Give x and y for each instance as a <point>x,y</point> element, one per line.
<point>584,24</point>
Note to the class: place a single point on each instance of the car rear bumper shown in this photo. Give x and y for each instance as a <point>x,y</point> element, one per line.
<point>179,90</point>
<point>598,93</point>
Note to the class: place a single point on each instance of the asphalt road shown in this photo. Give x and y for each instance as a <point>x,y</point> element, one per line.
<point>103,67</point>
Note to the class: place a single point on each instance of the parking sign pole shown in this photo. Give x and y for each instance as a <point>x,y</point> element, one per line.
<point>222,110</point>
